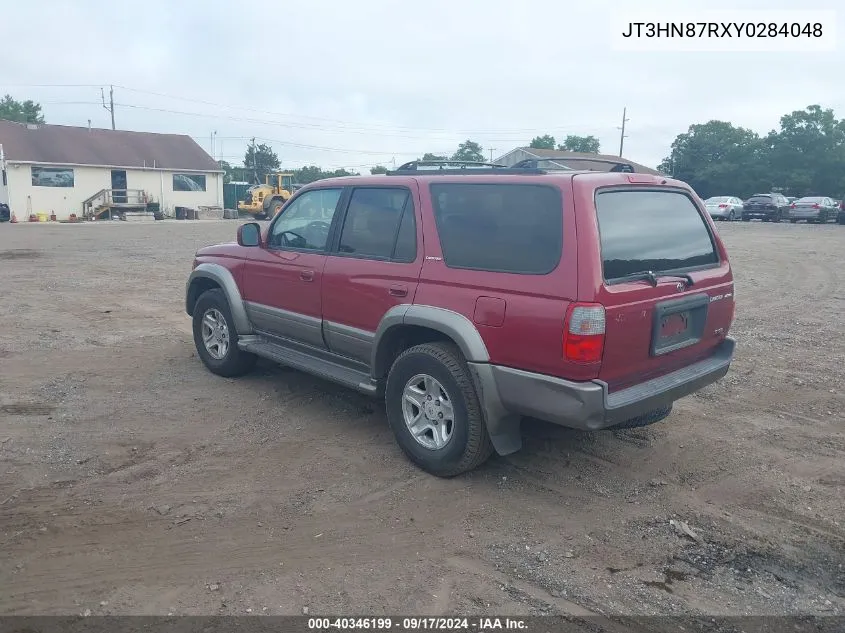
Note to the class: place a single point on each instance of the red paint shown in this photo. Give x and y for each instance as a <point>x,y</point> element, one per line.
<point>521,318</point>
<point>489,311</point>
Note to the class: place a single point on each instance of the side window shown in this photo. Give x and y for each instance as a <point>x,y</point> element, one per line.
<point>512,228</point>
<point>305,222</point>
<point>373,220</point>
<point>406,240</point>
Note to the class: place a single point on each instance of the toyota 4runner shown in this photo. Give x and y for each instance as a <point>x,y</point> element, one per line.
<point>470,297</point>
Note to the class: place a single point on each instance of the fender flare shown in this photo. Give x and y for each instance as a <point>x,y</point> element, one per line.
<point>503,426</point>
<point>453,324</point>
<point>224,279</point>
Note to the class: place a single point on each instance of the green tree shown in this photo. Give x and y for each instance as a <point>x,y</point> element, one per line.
<point>378,169</point>
<point>428,156</point>
<point>807,154</point>
<point>547,141</point>
<point>227,170</point>
<point>260,160</point>
<point>583,144</point>
<point>469,151</point>
<point>312,173</point>
<point>716,158</point>
<point>21,111</point>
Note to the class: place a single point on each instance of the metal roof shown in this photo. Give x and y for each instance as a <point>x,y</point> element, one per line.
<point>66,145</point>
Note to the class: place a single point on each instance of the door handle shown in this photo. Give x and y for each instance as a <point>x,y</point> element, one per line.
<point>398,291</point>
<point>307,275</point>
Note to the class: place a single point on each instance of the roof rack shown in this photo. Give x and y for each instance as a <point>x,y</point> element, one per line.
<point>534,163</point>
<point>458,167</point>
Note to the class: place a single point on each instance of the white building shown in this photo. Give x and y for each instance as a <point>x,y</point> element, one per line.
<point>62,170</point>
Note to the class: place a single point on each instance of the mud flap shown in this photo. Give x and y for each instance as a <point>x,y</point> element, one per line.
<point>504,427</point>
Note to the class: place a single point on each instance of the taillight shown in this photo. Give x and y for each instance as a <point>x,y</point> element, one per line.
<point>583,333</point>
<point>816,206</point>
<point>723,206</point>
<point>792,205</point>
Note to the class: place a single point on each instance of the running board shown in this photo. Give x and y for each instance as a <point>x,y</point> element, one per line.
<point>325,368</point>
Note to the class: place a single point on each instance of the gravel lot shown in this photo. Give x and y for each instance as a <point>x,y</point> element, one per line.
<point>133,481</point>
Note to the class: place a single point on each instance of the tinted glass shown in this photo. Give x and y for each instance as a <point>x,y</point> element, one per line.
<point>305,222</point>
<point>372,222</point>
<point>811,200</point>
<point>406,241</point>
<point>759,199</point>
<point>499,227</point>
<point>651,230</point>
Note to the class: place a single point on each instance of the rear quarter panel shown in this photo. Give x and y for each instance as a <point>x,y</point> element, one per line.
<point>520,317</point>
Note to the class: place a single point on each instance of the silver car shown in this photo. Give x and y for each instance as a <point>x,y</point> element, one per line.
<point>724,207</point>
<point>814,209</point>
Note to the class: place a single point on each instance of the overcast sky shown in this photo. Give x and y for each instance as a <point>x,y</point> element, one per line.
<point>349,83</point>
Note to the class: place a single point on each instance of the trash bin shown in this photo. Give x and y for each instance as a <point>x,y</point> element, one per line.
<point>180,213</point>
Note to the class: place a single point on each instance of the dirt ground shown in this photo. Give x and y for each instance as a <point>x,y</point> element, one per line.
<point>133,481</point>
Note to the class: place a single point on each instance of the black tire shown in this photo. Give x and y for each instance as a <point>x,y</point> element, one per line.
<point>236,362</point>
<point>275,206</point>
<point>731,216</point>
<point>841,218</point>
<point>469,445</point>
<point>645,419</point>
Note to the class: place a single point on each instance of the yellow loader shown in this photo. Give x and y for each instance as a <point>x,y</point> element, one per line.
<point>264,201</point>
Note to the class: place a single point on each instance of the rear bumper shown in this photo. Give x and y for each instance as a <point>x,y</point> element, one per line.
<point>805,214</point>
<point>759,213</point>
<point>588,405</point>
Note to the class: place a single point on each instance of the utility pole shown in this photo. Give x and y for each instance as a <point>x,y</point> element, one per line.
<point>110,106</point>
<point>492,149</point>
<point>622,136</point>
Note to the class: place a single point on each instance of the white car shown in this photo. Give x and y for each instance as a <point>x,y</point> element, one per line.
<point>724,207</point>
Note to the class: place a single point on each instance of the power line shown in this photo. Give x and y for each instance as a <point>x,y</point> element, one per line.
<point>341,125</point>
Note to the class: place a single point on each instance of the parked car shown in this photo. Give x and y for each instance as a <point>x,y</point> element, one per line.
<point>769,207</point>
<point>724,207</point>
<point>450,294</point>
<point>841,217</point>
<point>5,213</point>
<point>813,209</point>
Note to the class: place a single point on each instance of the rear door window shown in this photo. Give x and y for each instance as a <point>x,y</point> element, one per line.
<point>657,231</point>
<point>511,228</point>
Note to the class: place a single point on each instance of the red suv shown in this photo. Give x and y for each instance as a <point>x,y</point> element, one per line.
<point>470,297</point>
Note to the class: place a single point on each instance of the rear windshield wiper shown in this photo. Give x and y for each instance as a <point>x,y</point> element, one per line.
<point>651,277</point>
<point>647,275</point>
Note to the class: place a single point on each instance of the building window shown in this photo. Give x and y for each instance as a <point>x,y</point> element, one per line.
<point>52,177</point>
<point>188,182</point>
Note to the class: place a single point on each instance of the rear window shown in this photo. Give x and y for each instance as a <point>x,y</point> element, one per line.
<point>760,199</point>
<point>499,227</point>
<point>656,231</point>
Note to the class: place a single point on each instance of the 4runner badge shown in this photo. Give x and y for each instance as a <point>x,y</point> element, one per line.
<point>434,259</point>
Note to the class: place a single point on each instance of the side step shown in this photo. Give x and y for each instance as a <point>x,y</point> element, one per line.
<point>321,364</point>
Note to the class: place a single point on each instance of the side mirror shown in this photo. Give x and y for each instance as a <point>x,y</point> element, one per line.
<point>249,234</point>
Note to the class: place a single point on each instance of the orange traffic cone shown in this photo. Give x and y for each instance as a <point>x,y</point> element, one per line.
<point>33,217</point>
<point>53,216</point>
<point>14,219</point>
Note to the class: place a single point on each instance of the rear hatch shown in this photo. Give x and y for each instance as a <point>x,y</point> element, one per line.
<point>759,203</point>
<point>665,282</point>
